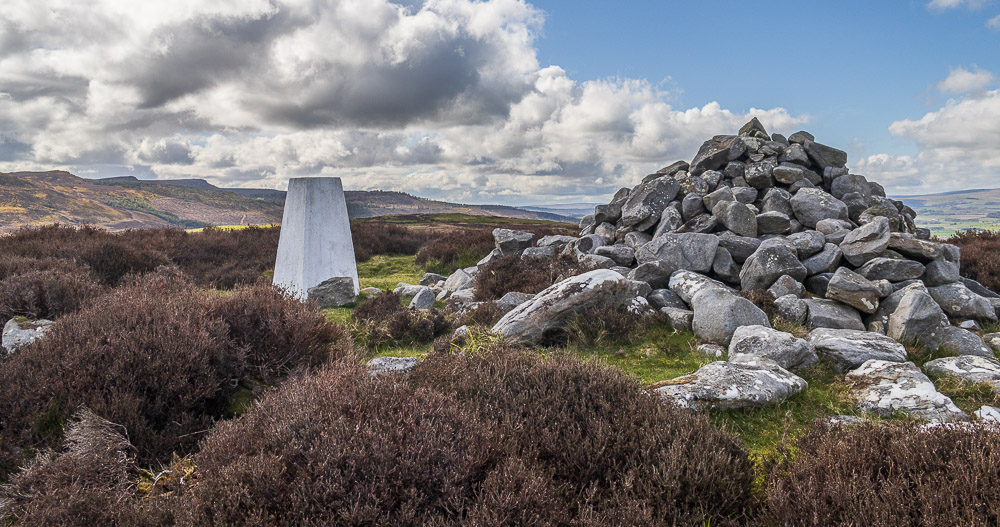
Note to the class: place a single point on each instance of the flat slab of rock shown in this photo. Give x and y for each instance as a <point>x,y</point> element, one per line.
<point>548,311</point>
<point>784,349</point>
<point>885,388</point>
<point>847,349</point>
<point>689,251</point>
<point>17,334</point>
<point>389,365</point>
<point>831,314</point>
<point>969,368</point>
<point>725,385</point>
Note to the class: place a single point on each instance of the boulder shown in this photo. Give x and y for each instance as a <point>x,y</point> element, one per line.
<point>988,414</point>
<point>461,279</point>
<point>716,152</point>
<point>511,242</point>
<point>867,242</point>
<point>688,251</point>
<point>792,308</point>
<point>513,299</point>
<point>431,279</point>
<point>912,247</point>
<point>538,253</point>
<point>656,273</point>
<point>736,217</point>
<point>648,200</point>
<point>959,301</point>
<point>661,298</point>
<point>892,269</point>
<point>18,333</point>
<point>621,254</point>
<point>768,264</point>
<point>813,205</point>
<point>968,368</point>
<point>773,223</point>
<point>740,247</point>
<point>726,385</point>
<point>687,284</point>
<point>680,319</point>
<point>961,342</point>
<point>786,350</point>
<point>824,156</point>
<point>549,310</point>
<point>786,285</point>
<point>854,290</point>
<point>885,388</point>
<point>554,241</point>
<point>847,349</point>
<point>825,261</point>
<point>713,351</point>
<point>917,318</point>
<point>718,314</point>
<point>424,299</point>
<point>832,314</point>
<point>334,292</point>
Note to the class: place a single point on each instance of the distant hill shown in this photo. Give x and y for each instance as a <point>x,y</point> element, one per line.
<point>37,198</point>
<point>574,210</point>
<point>950,212</point>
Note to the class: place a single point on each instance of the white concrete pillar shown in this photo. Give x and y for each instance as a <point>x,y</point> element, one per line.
<point>315,243</point>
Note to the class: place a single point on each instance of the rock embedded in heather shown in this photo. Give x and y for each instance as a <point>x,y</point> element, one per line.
<point>968,368</point>
<point>847,349</point>
<point>988,414</point>
<point>783,348</point>
<point>513,299</point>
<point>18,333</point>
<point>461,279</point>
<point>726,385</point>
<point>538,253</point>
<point>886,388</point>
<point>431,279</point>
<point>392,365</point>
<point>548,311</point>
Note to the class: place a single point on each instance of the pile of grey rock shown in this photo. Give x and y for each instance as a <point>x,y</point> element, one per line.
<point>764,212</point>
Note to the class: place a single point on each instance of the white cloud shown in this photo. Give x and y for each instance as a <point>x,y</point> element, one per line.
<point>961,80</point>
<point>950,4</point>
<point>957,149</point>
<point>444,98</point>
<point>994,23</point>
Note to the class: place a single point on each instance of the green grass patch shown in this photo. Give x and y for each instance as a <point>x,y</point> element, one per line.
<point>385,272</point>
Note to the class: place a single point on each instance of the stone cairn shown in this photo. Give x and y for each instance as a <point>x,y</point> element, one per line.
<point>784,216</point>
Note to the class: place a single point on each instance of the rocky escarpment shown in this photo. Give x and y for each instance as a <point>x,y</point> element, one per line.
<point>754,211</point>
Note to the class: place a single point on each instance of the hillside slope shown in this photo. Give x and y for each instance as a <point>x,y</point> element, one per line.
<point>950,212</point>
<point>37,198</point>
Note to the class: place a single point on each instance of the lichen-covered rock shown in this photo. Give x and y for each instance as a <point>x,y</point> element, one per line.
<point>391,365</point>
<point>847,349</point>
<point>718,314</point>
<point>688,251</point>
<point>971,369</point>
<point>785,349</point>
<point>727,385</point>
<point>886,388</point>
<point>959,301</point>
<point>812,205</point>
<point>648,201</point>
<point>510,241</point>
<point>687,284</point>
<point>866,242</point>
<point>854,290</point>
<point>892,269</point>
<point>917,318</point>
<point>19,333</point>
<point>769,263</point>
<point>549,310</point>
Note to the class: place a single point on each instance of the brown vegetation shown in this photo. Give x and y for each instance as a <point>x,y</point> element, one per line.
<point>979,257</point>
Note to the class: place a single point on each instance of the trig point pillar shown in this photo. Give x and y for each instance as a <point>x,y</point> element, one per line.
<point>315,243</point>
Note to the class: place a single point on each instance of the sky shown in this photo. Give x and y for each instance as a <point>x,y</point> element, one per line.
<point>502,101</point>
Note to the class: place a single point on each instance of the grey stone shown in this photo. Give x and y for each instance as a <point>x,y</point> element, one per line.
<point>680,319</point>
<point>813,205</point>
<point>824,156</point>
<point>648,200</point>
<point>717,315</point>
<point>736,217</point>
<point>430,279</point>
<point>959,301</point>
<point>691,251</point>
<point>825,261</point>
<point>656,273</point>
<point>788,174</point>
<point>724,267</point>
<point>740,247</point>
<point>726,385</point>
<point>712,177</point>
<point>834,230</point>
<point>670,220</point>
<point>794,154</point>
<point>714,351</point>
<point>745,195</point>
<point>701,224</point>
<point>766,265</point>
<point>424,299</point>
<point>661,298</point>
<point>334,292</point>
<point>606,230</point>
<point>693,185</point>
<point>621,254</point>
<point>850,183</point>
<point>885,388</point>
<point>460,279</point>
<point>716,152</point>
<point>817,283</point>
<point>867,242</point>
<point>786,285</point>
<point>554,241</point>
<point>800,137</point>
<point>777,200</point>
<point>792,308</point>
<point>944,270</point>
<point>912,247</point>
<point>673,168</point>
<point>773,223</point>
<point>595,261</point>
<point>692,206</point>
<point>894,270</point>
<point>392,365</point>
<point>637,239</point>
<point>759,175</point>
<point>734,169</point>
<point>509,241</point>
<point>403,289</point>
<point>854,290</point>
<point>978,288</point>
<point>971,369</point>
<point>687,284</point>
<point>962,342</point>
<point>753,128</point>
<point>917,318</point>
<point>19,333</point>
<point>722,194</point>
<point>847,349</point>
<point>807,243</point>
<point>494,255</point>
<point>786,350</point>
<point>824,313</point>
<point>371,291</point>
<point>549,310</point>
<point>538,253</point>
